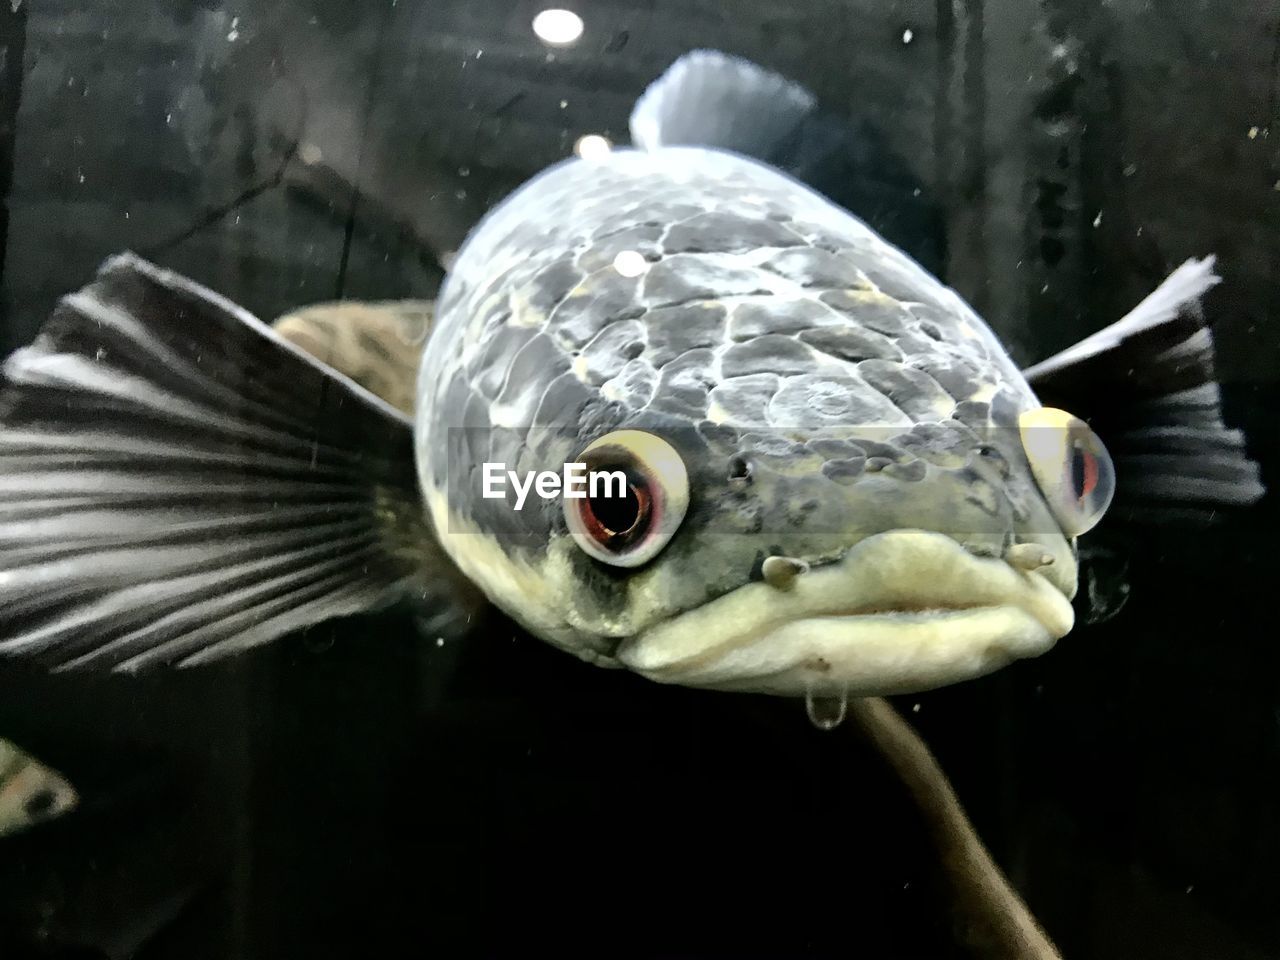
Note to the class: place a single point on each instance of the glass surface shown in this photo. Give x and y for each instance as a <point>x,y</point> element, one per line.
<point>360,789</point>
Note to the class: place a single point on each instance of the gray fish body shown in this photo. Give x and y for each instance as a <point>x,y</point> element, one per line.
<point>766,326</point>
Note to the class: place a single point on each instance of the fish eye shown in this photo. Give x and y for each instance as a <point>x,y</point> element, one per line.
<point>1071,466</point>
<point>637,493</point>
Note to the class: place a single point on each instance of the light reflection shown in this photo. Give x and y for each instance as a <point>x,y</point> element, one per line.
<point>630,263</point>
<point>592,147</point>
<point>558,27</point>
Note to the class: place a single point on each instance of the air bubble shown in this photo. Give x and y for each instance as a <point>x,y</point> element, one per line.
<point>826,712</point>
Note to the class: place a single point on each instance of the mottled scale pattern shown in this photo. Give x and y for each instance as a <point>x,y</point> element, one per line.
<point>747,302</point>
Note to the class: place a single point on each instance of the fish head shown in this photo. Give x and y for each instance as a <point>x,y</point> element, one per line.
<point>833,477</point>
<point>807,559</point>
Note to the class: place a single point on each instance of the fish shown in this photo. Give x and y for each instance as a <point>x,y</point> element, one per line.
<point>824,474</point>
<point>30,792</point>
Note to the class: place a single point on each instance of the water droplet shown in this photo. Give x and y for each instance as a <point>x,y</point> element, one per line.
<point>826,712</point>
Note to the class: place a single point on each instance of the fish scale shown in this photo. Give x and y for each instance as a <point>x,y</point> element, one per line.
<point>745,315</point>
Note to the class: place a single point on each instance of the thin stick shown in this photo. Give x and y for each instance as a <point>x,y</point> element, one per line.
<point>998,923</point>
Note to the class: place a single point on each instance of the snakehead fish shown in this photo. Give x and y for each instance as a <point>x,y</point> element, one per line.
<point>837,480</point>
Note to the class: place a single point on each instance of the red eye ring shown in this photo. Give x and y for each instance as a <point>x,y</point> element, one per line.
<point>629,530</point>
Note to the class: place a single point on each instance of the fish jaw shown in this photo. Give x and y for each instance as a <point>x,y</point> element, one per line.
<point>901,612</point>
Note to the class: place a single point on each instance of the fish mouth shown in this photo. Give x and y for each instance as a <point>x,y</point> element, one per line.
<point>901,612</point>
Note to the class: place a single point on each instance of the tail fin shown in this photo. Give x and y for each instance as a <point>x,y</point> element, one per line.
<point>710,99</point>
<point>178,483</point>
<point>1147,384</point>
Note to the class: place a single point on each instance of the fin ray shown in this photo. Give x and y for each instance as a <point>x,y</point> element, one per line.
<point>1148,385</point>
<point>707,98</point>
<point>179,483</point>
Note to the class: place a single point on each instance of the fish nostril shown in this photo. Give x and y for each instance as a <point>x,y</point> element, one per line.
<point>739,471</point>
<point>1028,556</point>
<point>781,572</point>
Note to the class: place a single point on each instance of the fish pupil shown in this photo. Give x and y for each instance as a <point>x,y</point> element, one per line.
<point>1084,472</point>
<point>617,520</point>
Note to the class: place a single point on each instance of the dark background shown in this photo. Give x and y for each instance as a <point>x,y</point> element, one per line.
<point>361,792</point>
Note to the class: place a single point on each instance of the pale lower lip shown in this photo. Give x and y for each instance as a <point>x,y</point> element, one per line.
<point>975,615</point>
<point>868,655</point>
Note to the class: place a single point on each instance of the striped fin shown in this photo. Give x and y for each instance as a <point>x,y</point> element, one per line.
<point>178,483</point>
<point>1147,385</point>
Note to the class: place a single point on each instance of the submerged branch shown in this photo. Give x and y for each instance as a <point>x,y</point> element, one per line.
<point>998,922</point>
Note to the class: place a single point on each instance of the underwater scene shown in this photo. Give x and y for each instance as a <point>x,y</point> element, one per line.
<point>662,479</point>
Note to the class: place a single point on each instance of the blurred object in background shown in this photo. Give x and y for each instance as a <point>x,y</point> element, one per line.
<point>375,344</point>
<point>30,792</point>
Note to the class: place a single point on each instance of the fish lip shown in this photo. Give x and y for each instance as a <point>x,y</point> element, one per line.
<point>902,612</point>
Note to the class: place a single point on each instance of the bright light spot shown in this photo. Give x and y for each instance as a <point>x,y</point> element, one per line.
<point>629,263</point>
<point>559,27</point>
<point>908,35</point>
<point>592,147</point>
